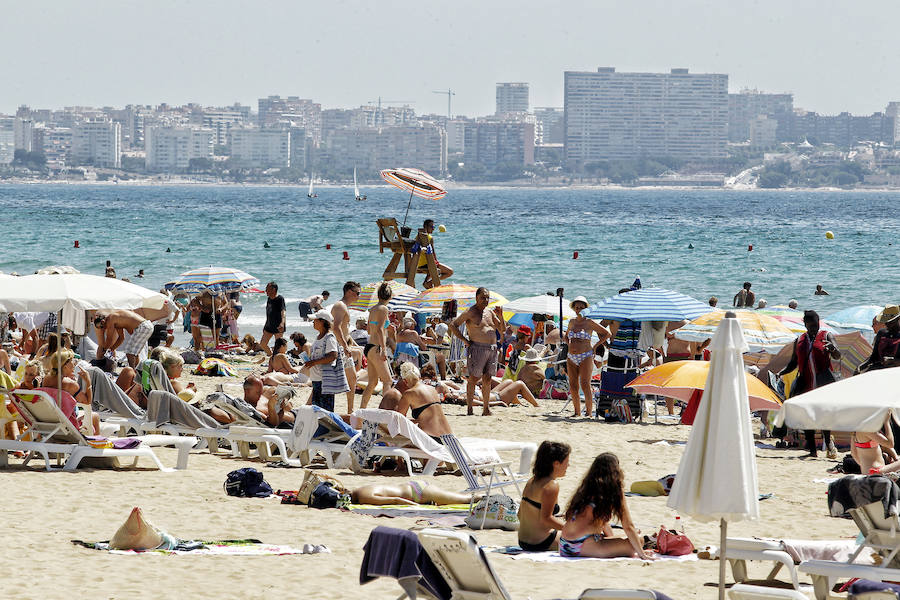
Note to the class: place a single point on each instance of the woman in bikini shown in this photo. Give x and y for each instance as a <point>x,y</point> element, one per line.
<point>538,524</point>
<point>581,353</point>
<point>412,493</point>
<point>375,351</point>
<point>868,449</point>
<point>424,403</point>
<point>600,498</point>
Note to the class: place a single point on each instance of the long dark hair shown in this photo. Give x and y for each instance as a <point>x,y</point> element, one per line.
<point>603,486</point>
<point>547,454</point>
<point>384,291</point>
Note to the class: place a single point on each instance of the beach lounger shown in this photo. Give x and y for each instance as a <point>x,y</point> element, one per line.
<point>743,591</point>
<point>463,564</point>
<point>635,594</point>
<point>51,432</point>
<point>880,533</point>
<point>824,573</point>
<point>247,429</point>
<point>739,550</point>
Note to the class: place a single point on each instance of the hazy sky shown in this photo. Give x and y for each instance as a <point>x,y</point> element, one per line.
<point>833,55</point>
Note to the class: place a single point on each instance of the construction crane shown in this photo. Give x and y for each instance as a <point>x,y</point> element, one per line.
<point>449,93</point>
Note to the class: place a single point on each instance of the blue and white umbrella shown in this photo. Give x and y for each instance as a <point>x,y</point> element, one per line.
<point>649,304</point>
<point>856,317</point>
<point>213,279</point>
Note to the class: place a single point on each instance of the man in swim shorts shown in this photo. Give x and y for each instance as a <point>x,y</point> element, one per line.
<point>482,326</point>
<point>111,326</point>
<point>275,318</point>
<point>352,352</point>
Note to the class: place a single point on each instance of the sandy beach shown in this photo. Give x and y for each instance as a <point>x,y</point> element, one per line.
<point>47,510</point>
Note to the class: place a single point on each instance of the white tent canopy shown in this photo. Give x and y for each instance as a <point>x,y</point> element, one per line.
<point>542,305</point>
<point>860,403</point>
<point>73,294</point>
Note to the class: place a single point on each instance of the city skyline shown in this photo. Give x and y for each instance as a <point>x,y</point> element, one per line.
<point>832,57</point>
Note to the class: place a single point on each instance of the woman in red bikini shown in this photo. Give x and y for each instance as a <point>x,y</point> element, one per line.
<point>869,448</point>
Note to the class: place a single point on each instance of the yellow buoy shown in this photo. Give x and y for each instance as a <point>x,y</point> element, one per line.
<point>442,229</point>
<point>829,235</point>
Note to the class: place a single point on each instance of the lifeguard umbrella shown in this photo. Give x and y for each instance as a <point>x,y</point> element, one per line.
<point>416,182</point>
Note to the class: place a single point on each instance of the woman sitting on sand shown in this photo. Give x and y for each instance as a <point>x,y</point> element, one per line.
<point>62,374</point>
<point>600,497</point>
<point>279,363</point>
<point>538,523</point>
<point>869,449</point>
<point>412,493</point>
<point>301,345</point>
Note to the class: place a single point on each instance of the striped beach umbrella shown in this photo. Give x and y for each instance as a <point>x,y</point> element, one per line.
<point>649,304</point>
<point>762,332</point>
<point>855,349</point>
<point>213,279</point>
<point>855,317</point>
<point>432,300</point>
<point>402,294</point>
<point>416,182</point>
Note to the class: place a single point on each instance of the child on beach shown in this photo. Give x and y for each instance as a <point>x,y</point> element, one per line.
<point>599,498</point>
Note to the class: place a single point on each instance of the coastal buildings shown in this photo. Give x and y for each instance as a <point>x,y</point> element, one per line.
<point>300,112</point>
<point>494,143</point>
<point>7,140</point>
<point>261,148</point>
<point>745,107</point>
<point>373,149</point>
<point>611,115</point>
<point>512,98</point>
<point>97,142</point>
<point>763,132</point>
<point>551,124</point>
<point>173,148</point>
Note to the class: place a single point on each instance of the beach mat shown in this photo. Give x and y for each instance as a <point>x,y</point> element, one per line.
<point>517,553</point>
<point>248,547</point>
<point>415,512</point>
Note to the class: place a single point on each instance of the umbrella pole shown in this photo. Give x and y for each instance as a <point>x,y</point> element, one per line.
<point>408,204</point>
<point>723,529</point>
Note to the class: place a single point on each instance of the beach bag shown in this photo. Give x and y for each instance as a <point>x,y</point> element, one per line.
<point>334,380</point>
<point>247,483</point>
<point>671,543</point>
<point>497,511</point>
<point>311,481</point>
<point>326,496</point>
<point>619,412</point>
<point>191,357</point>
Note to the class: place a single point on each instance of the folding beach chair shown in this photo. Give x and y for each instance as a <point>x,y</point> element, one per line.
<point>610,594</point>
<point>52,432</point>
<point>463,564</point>
<point>880,533</point>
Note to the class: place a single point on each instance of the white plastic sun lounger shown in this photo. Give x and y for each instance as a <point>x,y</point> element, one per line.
<point>739,550</point>
<point>51,432</point>
<point>742,591</point>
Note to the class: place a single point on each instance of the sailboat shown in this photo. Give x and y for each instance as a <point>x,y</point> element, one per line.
<point>356,187</point>
<point>311,193</point>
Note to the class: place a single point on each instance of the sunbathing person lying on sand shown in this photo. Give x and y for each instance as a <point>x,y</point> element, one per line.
<point>599,498</point>
<point>870,448</point>
<point>412,493</point>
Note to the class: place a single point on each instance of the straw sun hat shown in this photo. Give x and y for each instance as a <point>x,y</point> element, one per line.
<point>888,314</point>
<point>136,534</point>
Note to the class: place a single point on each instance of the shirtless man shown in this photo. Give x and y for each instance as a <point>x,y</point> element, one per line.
<point>482,326</point>
<point>352,352</point>
<point>111,326</point>
<point>267,400</point>
<point>409,335</point>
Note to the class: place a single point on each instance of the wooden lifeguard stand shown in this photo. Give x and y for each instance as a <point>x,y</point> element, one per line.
<point>390,238</point>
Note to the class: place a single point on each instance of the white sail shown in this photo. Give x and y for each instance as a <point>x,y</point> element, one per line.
<point>310,193</point>
<point>355,186</point>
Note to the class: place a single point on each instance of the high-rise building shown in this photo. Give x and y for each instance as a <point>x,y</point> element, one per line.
<point>221,122</point>
<point>57,145</point>
<point>842,130</point>
<point>892,126</point>
<point>743,108</point>
<point>7,140</point>
<point>299,112</point>
<point>512,97</point>
<point>172,148</point>
<point>372,149</point>
<point>552,123</point>
<point>492,143</point>
<point>763,132</point>
<point>24,130</point>
<point>261,148</point>
<point>610,115</point>
<point>97,142</point>
<point>456,135</point>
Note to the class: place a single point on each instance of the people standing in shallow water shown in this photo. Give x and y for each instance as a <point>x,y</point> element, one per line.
<point>744,298</point>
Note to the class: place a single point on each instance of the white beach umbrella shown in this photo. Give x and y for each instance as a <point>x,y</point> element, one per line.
<point>717,477</point>
<point>73,294</point>
<point>542,305</point>
<point>859,403</point>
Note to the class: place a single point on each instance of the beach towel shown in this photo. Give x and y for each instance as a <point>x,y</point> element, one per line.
<point>397,553</point>
<point>307,426</point>
<point>153,377</point>
<point>247,547</point>
<point>163,407</point>
<point>108,396</point>
<point>244,407</point>
<point>853,491</point>
<point>553,556</point>
<point>215,367</point>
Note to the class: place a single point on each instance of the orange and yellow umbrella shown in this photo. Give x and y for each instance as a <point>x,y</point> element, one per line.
<point>681,378</point>
<point>762,332</point>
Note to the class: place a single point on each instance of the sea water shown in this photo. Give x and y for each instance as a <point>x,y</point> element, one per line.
<point>518,242</point>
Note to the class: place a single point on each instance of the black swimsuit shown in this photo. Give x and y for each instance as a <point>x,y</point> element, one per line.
<point>543,545</point>
<point>418,411</point>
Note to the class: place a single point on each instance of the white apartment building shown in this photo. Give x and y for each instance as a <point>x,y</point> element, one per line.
<point>7,140</point>
<point>97,142</point>
<point>456,135</point>
<point>261,148</point>
<point>610,115</point>
<point>512,97</point>
<point>221,122</point>
<point>763,132</point>
<point>172,148</point>
<point>57,145</point>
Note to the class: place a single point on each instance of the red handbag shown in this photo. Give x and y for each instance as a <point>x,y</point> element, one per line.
<point>673,544</point>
